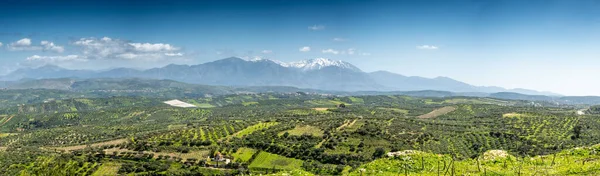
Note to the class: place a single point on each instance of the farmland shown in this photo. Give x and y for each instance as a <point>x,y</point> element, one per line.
<point>282,134</point>
<point>266,161</point>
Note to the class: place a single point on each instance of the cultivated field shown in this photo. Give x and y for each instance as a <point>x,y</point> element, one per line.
<point>265,161</point>
<point>437,112</point>
<point>79,147</point>
<point>306,129</point>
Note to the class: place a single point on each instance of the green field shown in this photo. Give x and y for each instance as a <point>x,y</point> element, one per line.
<point>250,103</point>
<point>580,161</point>
<point>243,154</point>
<point>139,135</point>
<point>301,130</point>
<point>265,161</point>
<point>106,169</point>
<point>253,128</point>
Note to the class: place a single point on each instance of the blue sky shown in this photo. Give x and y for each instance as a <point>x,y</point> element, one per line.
<point>544,45</point>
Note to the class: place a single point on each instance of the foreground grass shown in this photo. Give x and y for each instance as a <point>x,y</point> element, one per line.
<point>578,161</point>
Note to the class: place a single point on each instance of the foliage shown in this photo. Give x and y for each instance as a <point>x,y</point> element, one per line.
<point>292,133</point>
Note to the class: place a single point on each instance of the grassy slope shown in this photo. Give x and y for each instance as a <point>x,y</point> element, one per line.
<point>266,160</point>
<point>578,161</point>
<point>243,154</point>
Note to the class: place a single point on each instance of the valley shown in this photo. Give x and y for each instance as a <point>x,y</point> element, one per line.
<point>295,133</point>
<point>299,88</point>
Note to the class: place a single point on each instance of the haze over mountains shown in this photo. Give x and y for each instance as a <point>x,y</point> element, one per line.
<point>323,74</point>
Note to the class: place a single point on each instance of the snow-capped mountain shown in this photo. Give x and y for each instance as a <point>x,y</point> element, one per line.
<point>320,63</point>
<point>313,64</point>
<point>320,73</point>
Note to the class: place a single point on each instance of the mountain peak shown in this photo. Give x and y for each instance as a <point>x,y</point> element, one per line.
<point>319,63</point>
<point>311,64</point>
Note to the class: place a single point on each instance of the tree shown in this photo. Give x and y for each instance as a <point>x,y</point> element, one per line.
<point>379,152</point>
<point>576,132</point>
<point>286,134</point>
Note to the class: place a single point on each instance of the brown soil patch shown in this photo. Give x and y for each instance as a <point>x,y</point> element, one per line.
<point>79,147</point>
<point>192,154</point>
<point>7,120</point>
<point>347,124</point>
<point>437,112</point>
<point>321,109</point>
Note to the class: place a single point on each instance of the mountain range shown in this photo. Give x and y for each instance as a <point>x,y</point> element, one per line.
<point>322,74</point>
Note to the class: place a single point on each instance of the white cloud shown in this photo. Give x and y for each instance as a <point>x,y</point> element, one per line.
<point>351,51</point>
<point>127,56</point>
<point>330,51</point>
<point>37,60</point>
<point>267,51</point>
<point>1,44</point>
<point>149,47</point>
<point>427,47</point>
<point>304,49</point>
<point>316,27</point>
<point>52,59</point>
<point>340,39</point>
<point>50,46</point>
<point>23,45</point>
<point>96,50</point>
<point>108,48</point>
<point>105,48</point>
<point>173,54</point>
<point>365,54</point>
<point>23,42</point>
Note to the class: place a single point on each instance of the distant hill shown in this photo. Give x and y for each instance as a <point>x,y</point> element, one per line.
<point>118,85</point>
<point>395,81</point>
<point>107,87</point>
<point>322,74</point>
<point>554,99</point>
<point>593,110</point>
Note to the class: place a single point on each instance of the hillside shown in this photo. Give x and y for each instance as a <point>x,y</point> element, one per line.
<point>579,161</point>
<point>106,87</point>
<point>322,74</point>
<point>309,134</point>
<point>590,100</point>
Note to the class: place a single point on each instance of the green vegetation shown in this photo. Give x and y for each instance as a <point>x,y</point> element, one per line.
<point>266,161</point>
<point>108,168</point>
<point>579,161</point>
<point>294,134</point>
<point>304,130</point>
<point>253,128</point>
<point>249,103</point>
<point>243,154</point>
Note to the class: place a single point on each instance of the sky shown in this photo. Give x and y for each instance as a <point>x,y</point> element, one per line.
<point>545,45</point>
